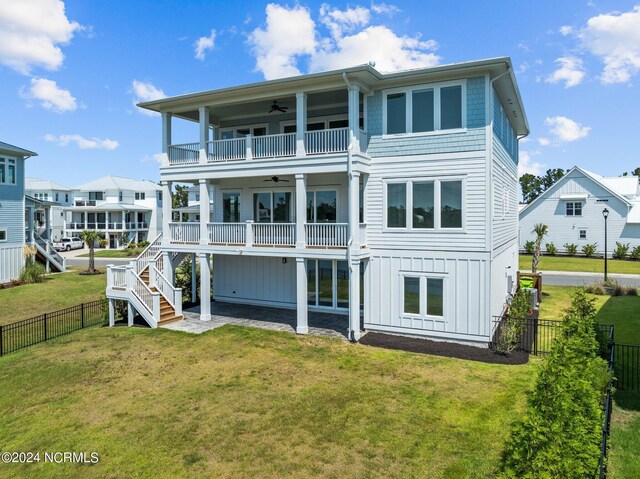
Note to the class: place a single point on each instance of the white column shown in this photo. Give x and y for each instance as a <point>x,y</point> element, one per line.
<point>301,208</point>
<point>205,285</point>
<point>354,210</point>
<point>166,136</point>
<point>204,133</point>
<point>131,313</point>
<point>302,324</point>
<point>354,116</point>
<point>124,222</point>
<point>301,122</point>
<point>354,299</point>
<point>194,293</point>
<point>204,211</point>
<point>112,313</point>
<point>166,211</point>
<point>86,219</point>
<point>47,223</point>
<point>168,267</point>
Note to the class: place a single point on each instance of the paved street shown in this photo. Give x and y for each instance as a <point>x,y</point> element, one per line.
<point>564,278</point>
<point>74,259</point>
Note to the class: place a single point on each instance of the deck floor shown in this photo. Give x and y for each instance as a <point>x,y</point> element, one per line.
<point>263,317</point>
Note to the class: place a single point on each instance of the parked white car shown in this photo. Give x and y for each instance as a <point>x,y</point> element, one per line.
<point>67,244</point>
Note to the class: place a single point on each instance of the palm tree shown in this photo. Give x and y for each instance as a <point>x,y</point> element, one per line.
<point>541,231</point>
<point>90,237</point>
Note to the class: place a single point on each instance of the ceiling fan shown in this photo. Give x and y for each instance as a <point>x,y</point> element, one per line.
<point>276,179</point>
<point>276,107</point>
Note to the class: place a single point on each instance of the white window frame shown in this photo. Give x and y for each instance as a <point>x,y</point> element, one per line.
<point>5,160</point>
<point>315,204</point>
<point>423,276</point>
<point>319,119</point>
<point>580,230</point>
<point>292,206</point>
<point>437,204</point>
<point>408,91</point>
<point>573,208</point>
<point>6,235</point>
<point>240,202</point>
<point>140,196</point>
<point>251,128</point>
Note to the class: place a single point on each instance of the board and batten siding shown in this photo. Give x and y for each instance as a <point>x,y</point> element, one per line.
<point>465,296</point>
<point>551,210</point>
<point>254,279</point>
<point>504,266</point>
<point>11,262</point>
<point>12,219</point>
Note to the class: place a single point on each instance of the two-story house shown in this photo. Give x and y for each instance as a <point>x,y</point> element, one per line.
<point>54,194</point>
<point>123,210</point>
<point>390,198</point>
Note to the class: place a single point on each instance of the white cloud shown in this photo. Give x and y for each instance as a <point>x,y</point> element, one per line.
<point>565,129</point>
<point>145,91</point>
<point>526,164</point>
<point>384,9</point>
<point>566,30</point>
<point>615,39</point>
<point>349,42</point>
<point>82,142</point>
<point>571,72</point>
<point>155,158</point>
<point>203,44</point>
<point>544,141</point>
<point>50,95</point>
<point>32,32</point>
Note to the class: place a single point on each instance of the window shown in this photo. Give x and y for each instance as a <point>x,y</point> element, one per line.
<point>57,197</point>
<point>574,208</point>
<point>423,294</point>
<point>46,196</point>
<point>583,234</point>
<point>433,204</point>
<point>140,196</point>
<point>159,195</point>
<point>197,196</point>
<point>120,196</point>
<point>96,195</point>
<point>272,207</point>
<point>424,109</point>
<point>3,235</point>
<point>7,171</point>
<point>231,207</point>
<point>321,206</point>
<point>66,197</point>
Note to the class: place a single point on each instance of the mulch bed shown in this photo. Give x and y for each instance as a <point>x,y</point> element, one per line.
<point>441,348</point>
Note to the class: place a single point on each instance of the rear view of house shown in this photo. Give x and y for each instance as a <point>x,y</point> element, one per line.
<point>389,198</point>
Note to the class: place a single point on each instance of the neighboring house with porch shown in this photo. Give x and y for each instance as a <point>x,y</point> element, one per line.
<point>123,210</point>
<point>389,198</point>
<point>572,209</point>
<point>57,195</point>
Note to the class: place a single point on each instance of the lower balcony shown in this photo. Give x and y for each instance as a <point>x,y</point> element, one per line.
<point>281,235</point>
<point>103,226</point>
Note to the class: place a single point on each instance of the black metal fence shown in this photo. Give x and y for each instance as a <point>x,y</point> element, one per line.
<point>626,365</point>
<point>21,334</point>
<point>608,406</point>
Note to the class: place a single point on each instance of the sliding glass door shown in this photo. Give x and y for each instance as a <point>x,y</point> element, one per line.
<point>272,207</point>
<point>328,284</point>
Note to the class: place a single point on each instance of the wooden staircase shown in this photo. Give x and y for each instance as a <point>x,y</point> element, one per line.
<point>167,312</point>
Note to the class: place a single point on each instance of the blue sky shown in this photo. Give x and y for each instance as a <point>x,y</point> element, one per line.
<point>71,71</point>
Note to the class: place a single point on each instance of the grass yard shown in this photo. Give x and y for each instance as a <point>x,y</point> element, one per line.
<point>580,264</point>
<point>242,402</point>
<point>115,253</point>
<point>58,291</point>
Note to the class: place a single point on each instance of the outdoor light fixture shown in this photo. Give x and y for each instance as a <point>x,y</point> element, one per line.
<point>605,213</point>
<point>284,260</point>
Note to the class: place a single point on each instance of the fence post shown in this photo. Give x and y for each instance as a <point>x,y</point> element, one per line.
<point>82,315</point>
<point>45,326</point>
<point>1,345</point>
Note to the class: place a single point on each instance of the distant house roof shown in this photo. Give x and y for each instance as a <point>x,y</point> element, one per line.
<point>634,215</point>
<point>118,183</point>
<point>15,150</point>
<point>38,184</point>
<point>30,200</point>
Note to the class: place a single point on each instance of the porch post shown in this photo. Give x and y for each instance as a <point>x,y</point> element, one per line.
<point>354,299</point>
<point>194,293</point>
<point>354,210</point>
<point>354,116</point>
<point>31,225</point>
<point>301,122</point>
<point>130,313</point>
<point>168,267</point>
<point>205,287</point>
<point>47,223</point>
<point>166,212</point>
<point>112,313</point>
<point>301,208</point>
<point>302,324</point>
<point>166,136</point>
<point>204,133</point>
<point>204,212</point>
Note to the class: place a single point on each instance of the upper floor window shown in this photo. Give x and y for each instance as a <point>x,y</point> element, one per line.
<point>96,195</point>
<point>159,195</point>
<point>425,204</point>
<point>424,108</point>
<point>3,235</point>
<point>7,171</point>
<point>120,196</point>
<point>574,208</point>
<point>140,196</point>
<point>321,206</point>
<point>197,197</point>
<point>57,197</point>
<point>231,207</point>
<point>66,197</point>
<point>272,207</point>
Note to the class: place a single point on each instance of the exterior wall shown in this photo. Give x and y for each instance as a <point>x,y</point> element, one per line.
<point>504,185</point>
<point>254,279</point>
<point>466,294</point>
<point>11,262</point>
<point>551,210</point>
<point>12,216</point>
<point>503,277</point>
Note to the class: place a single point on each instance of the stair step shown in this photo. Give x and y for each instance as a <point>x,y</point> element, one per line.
<point>170,320</point>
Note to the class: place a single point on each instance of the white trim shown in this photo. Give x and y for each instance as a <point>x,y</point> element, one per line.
<point>423,277</point>
<point>251,127</point>
<point>320,189</point>
<point>14,161</point>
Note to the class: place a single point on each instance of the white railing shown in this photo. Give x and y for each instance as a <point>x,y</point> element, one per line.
<point>184,232</point>
<point>273,146</point>
<point>118,277</point>
<point>334,140</point>
<point>225,150</point>
<point>172,295</point>
<point>274,234</point>
<point>363,234</point>
<point>334,235</point>
<point>227,233</point>
<point>184,154</point>
<point>142,291</point>
<point>150,252</point>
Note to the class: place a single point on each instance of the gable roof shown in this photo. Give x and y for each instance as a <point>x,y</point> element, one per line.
<point>623,185</point>
<point>38,184</point>
<point>606,183</point>
<point>118,183</point>
<point>15,150</point>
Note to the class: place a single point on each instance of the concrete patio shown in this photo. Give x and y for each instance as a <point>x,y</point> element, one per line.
<point>275,319</point>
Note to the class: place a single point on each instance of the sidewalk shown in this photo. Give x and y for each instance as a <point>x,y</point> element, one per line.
<point>572,278</point>
<point>74,258</point>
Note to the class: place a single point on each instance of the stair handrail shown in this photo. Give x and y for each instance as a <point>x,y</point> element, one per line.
<point>150,252</point>
<point>172,294</point>
<point>48,250</point>
<point>149,299</point>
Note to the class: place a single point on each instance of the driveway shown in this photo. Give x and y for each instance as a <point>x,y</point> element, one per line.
<point>73,259</point>
<point>565,278</point>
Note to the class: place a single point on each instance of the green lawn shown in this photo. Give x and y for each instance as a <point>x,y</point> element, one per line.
<point>580,264</point>
<point>115,253</point>
<point>58,291</point>
<point>242,402</point>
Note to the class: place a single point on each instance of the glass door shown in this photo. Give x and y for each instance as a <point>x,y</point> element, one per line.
<point>328,284</point>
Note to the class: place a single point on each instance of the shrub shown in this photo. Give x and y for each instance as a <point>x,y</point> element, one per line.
<point>131,246</point>
<point>571,248</point>
<point>103,243</point>
<point>621,250</point>
<point>590,249</point>
<point>143,244</point>
<point>561,431</point>
<point>33,272</point>
<point>551,249</point>
<point>635,252</point>
<point>631,291</point>
<point>618,290</point>
<point>513,326</point>
<point>529,246</point>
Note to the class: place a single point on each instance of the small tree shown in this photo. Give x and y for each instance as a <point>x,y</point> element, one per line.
<point>90,237</point>
<point>541,231</point>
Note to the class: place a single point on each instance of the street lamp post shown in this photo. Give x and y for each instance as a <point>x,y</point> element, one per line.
<point>605,213</point>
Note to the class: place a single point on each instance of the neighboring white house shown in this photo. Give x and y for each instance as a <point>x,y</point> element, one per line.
<point>572,209</point>
<point>48,191</point>
<point>391,195</point>
<point>123,210</point>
